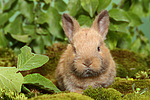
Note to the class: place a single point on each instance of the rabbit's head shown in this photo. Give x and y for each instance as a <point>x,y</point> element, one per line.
<point>91,56</point>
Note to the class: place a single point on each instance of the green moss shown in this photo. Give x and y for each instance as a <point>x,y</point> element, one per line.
<point>133,96</point>
<point>7,57</point>
<point>62,96</point>
<point>10,95</point>
<point>124,86</point>
<point>101,93</point>
<point>128,63</point>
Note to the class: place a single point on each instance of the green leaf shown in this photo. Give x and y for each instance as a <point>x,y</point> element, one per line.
<point>41,17</point>
<point>85,20</point>
<point>28,60</point>
<point>47,1</point>
<point>90,6</point>
<point>111,41</point>
<point>60,5</point>
<point>42,31</point>
<point>38,45</point>
<point>47,39</point>
<point>21,38</point>
<point>26,8</point>
<point>136,45</point>
<point>39,80</point>
<point>119,27</point>
<point>137,8</point>
<point>145,4</point>
<point>4,17</point>
<point>8,5</point>
<point>103,4</point>
<point>10,79</point>
<point>124,41</point>
<point>134,19</point>
<point>15,27</point>
<point>53,21</point>
<point>29,30</point>
<point>73,7</point>
<point>3,40</point>
<point>119,15</point>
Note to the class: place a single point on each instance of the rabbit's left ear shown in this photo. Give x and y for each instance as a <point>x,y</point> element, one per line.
<point>101,23</point>
<point>70,26</point>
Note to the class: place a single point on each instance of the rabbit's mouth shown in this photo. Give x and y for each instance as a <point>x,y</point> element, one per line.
<point>88,72</point>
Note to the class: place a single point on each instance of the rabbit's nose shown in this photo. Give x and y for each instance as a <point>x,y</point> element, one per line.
<point>87,62</point>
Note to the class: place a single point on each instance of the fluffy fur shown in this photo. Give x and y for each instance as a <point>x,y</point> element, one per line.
<point>86,61</point>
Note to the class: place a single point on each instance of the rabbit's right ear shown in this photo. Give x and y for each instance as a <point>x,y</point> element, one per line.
<point>70,26</point>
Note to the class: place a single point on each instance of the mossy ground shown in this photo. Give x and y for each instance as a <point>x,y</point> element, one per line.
<point>128,63</point>
<point>63,96</point>
<point>7,57</point>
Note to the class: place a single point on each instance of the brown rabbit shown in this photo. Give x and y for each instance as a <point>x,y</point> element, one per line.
<point>87,61</point>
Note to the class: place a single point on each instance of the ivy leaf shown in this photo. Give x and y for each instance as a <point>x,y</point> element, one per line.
<point>136,45</point>
<point>111,41</point>
<point>85,20</point>
<point>15,27</point>
<point>137,8</point>
<point>38,45</point>
<point>8,5</point>
<point>124,41</point>
<point>119,15</point>
<point>90,6</point>
<point>4,17</point>
<point>73,7</point>
<point>10,79</point>
<point>103,4</point>
<point>26,8</point>
<point>30,30</point>
<point>21,38</point>
<point>60,5</point>
<point>39,80</point>
<point>119,27</point>
<point>3,40</point>
<point>134,19</point>
<point>28,60</point>
<point>41,17</point>
<point>53,22</point>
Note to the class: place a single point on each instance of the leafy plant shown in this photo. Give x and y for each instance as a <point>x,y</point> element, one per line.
<point>37,23</point>
<point>12,80</point>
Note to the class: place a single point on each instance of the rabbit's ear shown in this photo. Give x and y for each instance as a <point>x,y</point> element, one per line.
<point>101,23</point>
<point>70,26</point>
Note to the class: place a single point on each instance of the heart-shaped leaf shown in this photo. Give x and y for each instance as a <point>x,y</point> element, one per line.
<point>28,60</point>
<point>90,6</point>
<point>10,79</point>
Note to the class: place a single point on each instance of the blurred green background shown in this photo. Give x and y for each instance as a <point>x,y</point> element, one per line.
<point>37,23</point>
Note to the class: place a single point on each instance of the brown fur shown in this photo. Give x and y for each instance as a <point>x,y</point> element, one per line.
<point>87,61</point>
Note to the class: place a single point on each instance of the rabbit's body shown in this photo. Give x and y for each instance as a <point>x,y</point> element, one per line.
<point>87,61</point>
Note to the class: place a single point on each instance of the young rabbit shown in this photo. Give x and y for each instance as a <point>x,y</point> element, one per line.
<point>87,61</point>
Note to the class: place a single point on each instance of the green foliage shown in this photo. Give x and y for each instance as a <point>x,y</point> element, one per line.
<point>28,60</point>
<point>41,81</point>
<point>37,23</point>
<point>10,79</point>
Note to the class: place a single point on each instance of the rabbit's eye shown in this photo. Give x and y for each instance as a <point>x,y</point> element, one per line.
<point>98,49</point>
